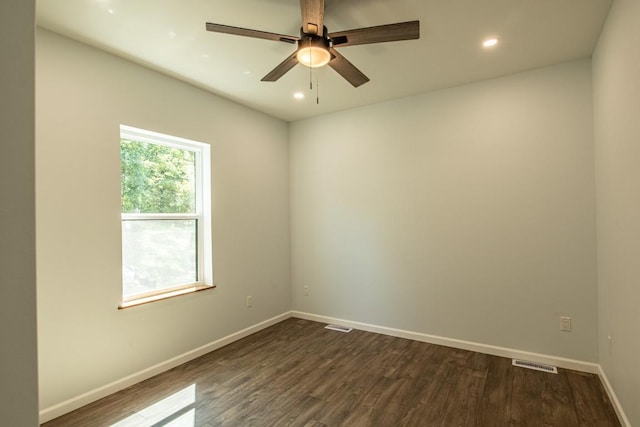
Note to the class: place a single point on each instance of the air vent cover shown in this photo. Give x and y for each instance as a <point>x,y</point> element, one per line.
<point>535,365</point>
<point>338,328</point>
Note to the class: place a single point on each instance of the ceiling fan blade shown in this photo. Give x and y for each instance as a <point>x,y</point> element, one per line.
<point>346,69</point>
<point>237,31</point>
<point>312,16</point>
<point>281,69</point>
<point>378,34</point>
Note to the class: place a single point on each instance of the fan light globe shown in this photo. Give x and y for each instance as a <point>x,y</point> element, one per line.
<point>313,56</point>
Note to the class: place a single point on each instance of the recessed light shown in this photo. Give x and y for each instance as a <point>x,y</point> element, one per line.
<point>298,95</point>
<point>111,11</point>
<point>490,42</point>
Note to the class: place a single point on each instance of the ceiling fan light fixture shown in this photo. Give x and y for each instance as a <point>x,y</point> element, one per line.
<point>313,56</point>
<point>313,51</point>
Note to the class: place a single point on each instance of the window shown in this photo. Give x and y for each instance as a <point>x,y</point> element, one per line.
<point>166,216</point>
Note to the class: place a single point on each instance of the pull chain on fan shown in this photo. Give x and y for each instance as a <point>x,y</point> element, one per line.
<point>310,67</point>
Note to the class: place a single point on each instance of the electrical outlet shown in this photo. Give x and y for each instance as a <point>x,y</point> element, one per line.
<point>565,324</point>
<point>306,290</point>
<point>249,301</point>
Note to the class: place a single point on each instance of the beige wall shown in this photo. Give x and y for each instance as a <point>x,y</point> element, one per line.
<point>83,96</point>
<point>466,213</point>
<point>616,79</point>
<point>18,352</point>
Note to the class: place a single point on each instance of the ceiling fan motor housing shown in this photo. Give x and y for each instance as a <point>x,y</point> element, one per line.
<point>319,40</point>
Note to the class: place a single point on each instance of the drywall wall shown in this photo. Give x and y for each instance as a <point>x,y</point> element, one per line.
<point>18,352</point>
<point>83,96</point>
<point>466,213</point>
<point>616,83</point>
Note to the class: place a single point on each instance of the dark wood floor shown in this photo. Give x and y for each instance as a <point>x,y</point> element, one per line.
<point>297,373</point>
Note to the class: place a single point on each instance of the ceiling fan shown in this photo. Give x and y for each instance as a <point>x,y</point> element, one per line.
<point>316,46</point>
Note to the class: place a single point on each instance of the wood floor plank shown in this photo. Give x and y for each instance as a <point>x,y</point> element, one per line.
<point>526,397</point>
<point>464,407</point>
<point>305,414</point>
<point>557,407</point>
<point>590,400</point>
<point>495,405</point>
<point>435,400</point>
<point>297,373</point>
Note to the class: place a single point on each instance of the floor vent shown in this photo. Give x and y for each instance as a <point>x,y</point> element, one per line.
<point>338,328</point>
<point>534,365</point>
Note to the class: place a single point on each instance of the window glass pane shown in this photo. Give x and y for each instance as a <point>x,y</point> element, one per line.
<point>158,254</point>
<point>156,178</point>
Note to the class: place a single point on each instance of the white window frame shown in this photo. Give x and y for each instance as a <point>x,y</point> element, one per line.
<point>202,214</point>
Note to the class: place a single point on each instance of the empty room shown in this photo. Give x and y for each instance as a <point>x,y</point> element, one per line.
<point>191,192</point>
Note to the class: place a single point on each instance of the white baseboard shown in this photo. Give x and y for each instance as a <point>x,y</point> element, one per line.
<point>74,403</point>
<point>613,398</point>
<point>561,362</point>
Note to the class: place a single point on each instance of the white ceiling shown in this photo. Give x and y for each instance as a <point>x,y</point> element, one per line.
<point>169,36</point>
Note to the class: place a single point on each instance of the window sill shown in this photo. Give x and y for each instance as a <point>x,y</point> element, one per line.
<point>153,298</point>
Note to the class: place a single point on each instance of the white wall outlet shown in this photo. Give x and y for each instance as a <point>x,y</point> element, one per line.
<point>306,290</point>
<point>249,301</point>
<point>565,324</point>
